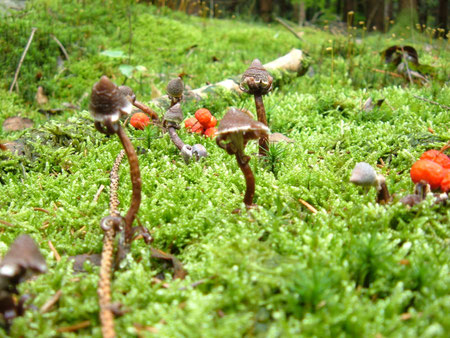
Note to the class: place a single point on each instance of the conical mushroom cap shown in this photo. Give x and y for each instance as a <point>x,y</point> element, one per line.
<point>175,87</point>
<point>236,121</point>
<point>22,260</point>
<point>107,101</point>
<point>256,80</point>
<point>174,116</point>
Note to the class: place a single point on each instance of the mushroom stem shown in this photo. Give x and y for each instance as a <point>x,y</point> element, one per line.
<point>243,161</point>
<point>135,181</point>
<point>150,112</point>
<point>175,138</point>
<point>261,112</point>
<point>383,196</point>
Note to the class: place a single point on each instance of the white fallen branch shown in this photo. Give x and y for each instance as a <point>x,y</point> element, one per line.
<point>291,62</point>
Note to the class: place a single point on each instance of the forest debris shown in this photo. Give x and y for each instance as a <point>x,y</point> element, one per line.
<point>6,223</point>
<point>97,194</point>
<point>51,302</point>
<point>16,123</point>
<point>285,25</point>
<point>308,206</point>
<point>179,271</point>
<point>291,62</point>
<point>432,102</point>
<point>78,261</point>
<point>16,75</point>
<point>369,105</point>
<point>40,97</point>
<point>75,327</point>
<point>278,137</point>
<point>63,50</point>
<point>55,252</point>
<point>42,210</point>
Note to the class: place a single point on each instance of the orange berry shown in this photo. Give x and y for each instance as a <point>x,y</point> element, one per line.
<point>188,123</point>
<point>210,132</point>
<point>428,171</point>
<point>139,121</point>
<point>197,128</point>
<point>445,183</point>
<point>437,157</point>
<point>212,123</point>
<point>203,116</point>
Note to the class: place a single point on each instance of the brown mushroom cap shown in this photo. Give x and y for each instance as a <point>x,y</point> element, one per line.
<point>175,87</point>
<point>108,101</point>
<point>22,260</point>
<point>236,121</point>
<point>173,117</point>
<point>256,80</point>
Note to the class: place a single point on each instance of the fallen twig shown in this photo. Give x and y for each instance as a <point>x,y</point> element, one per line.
<point>55,252</point>
<point>432,102</point>
<point>51,302</point>
<point>16,75</point>
<point>75,327</point>
<point>6,223</point>
<point>61,47</point>
<point>285,25</point>
<point>387,72</point>
<point>308,206</point>
<point>97,194</point>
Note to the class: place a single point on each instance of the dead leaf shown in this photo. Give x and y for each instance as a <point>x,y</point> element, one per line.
<point>78,264</point>
<point>278,137</point>
<point>16,123</point>
<point>41,99</point>
<point>179,271</point>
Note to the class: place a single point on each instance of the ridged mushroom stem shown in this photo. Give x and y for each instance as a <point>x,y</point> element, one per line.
<point>261,112</point>
<point>136,183</point>
<point>104,284</point>
<point>175,138</point>
<point>243,161</point>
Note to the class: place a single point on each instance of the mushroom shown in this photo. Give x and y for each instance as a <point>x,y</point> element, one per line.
<point>108,103</point>
<point>129,94</point>
<point>258,82</point>
<point>22,261</point>
<point>364,175</point>
<point>235,130</point>
<point>175,89</point>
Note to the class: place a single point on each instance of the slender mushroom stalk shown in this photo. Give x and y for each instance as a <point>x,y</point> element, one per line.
<point>364,175</point>
<point>128,92</point>
<point>173,118</point>
<point>235,130</point>
<point>258,82</point>
<point>108,103</point>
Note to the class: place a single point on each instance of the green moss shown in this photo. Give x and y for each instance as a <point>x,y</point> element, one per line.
<point>352,269</point>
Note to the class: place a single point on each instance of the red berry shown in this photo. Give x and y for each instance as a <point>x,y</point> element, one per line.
<point>445,183</point>
<point>197,128</point>
<point>188,123</point>
<point>437,157</point>
<point>210,132</point>
<point>139,120</point>
<point>203,116</point>
<point>212,123</point>
<point>428,171</point>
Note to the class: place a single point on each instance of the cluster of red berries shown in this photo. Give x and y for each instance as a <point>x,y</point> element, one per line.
<point>203,123</point>
<point>140,121</point>
<point>433,167</point>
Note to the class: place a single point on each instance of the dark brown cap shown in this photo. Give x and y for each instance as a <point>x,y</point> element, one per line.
<point>175,88</point>
<point>107,101</point>
<point>22,260</point>
<point>236,129</point>
<point>256,80</point>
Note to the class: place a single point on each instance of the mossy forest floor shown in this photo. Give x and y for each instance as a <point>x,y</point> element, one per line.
<point>354,268</point>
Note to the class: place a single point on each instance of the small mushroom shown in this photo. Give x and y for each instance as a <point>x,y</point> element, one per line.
<point>364,175</point>
<point>175,89</point>
<point>173,117</point>
<point>421,190</point>
<point>235,130</point>
<point>21,262</point>
<point>199,151</point>
<point>108,102</point>
<point>258,82</point>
